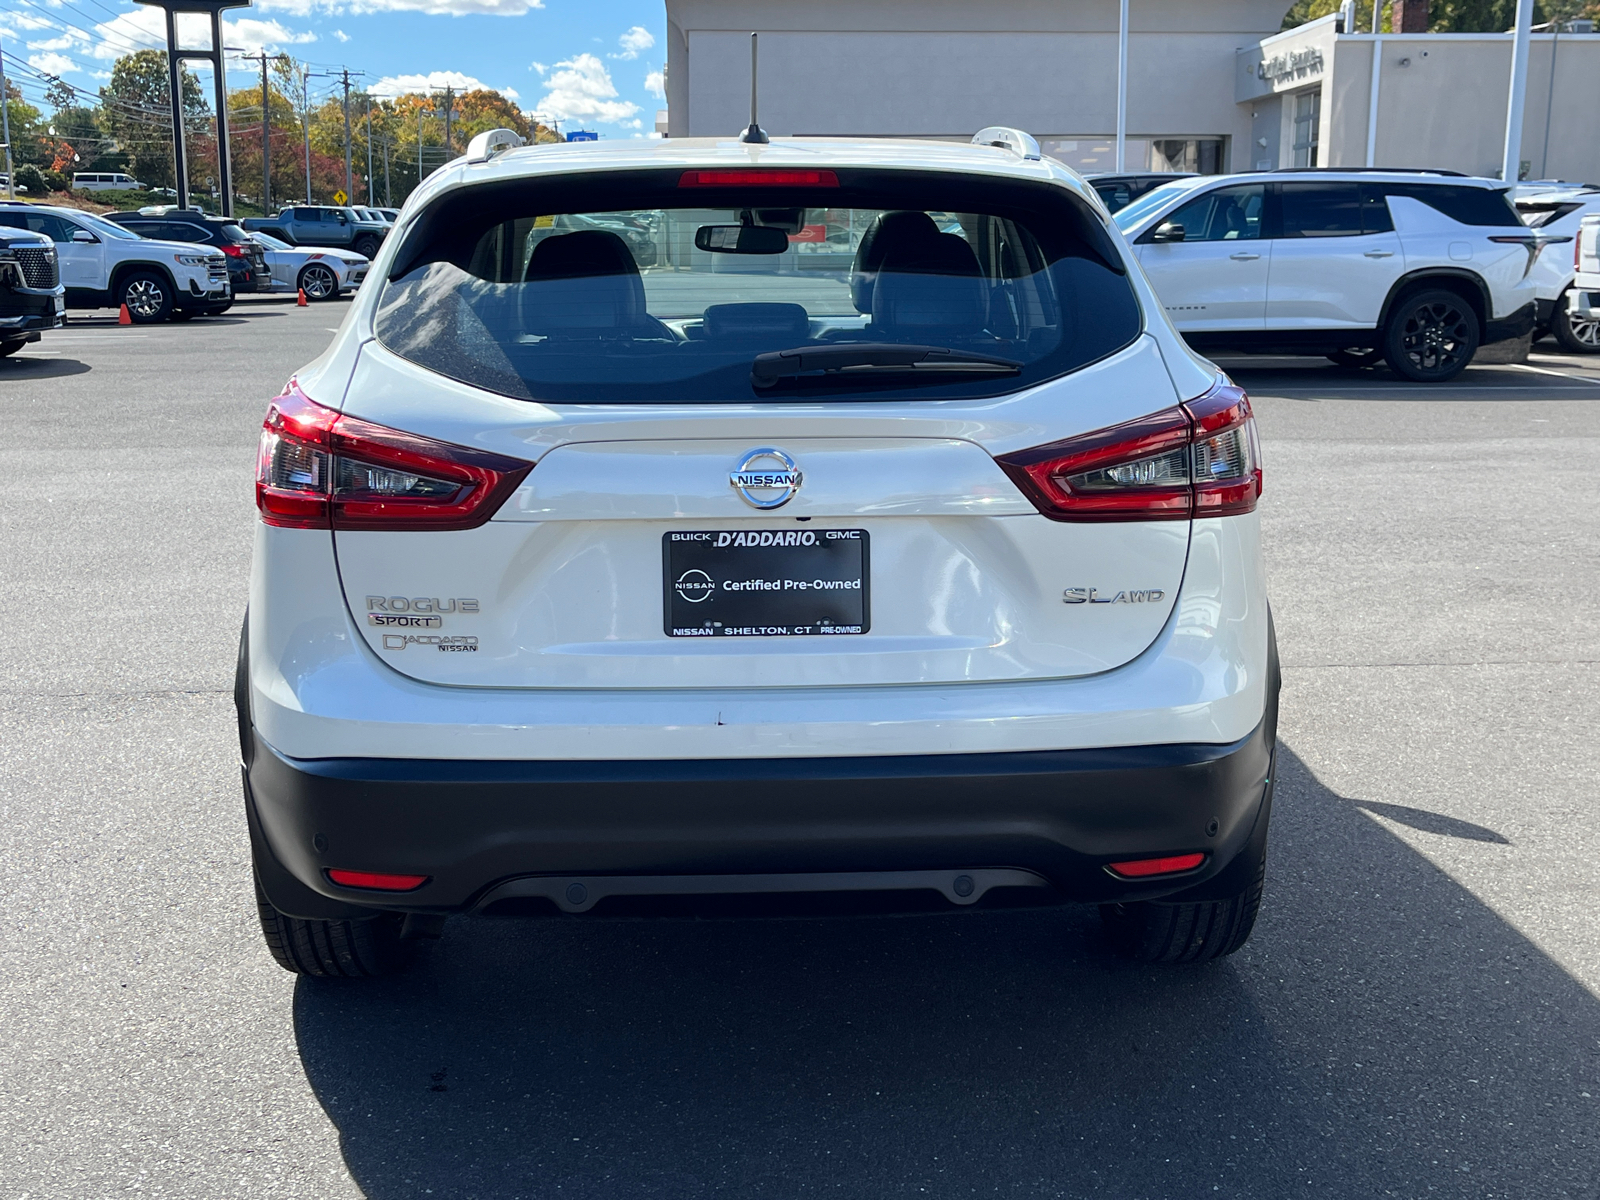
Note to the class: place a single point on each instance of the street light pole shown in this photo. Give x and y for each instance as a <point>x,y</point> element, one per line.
<point>1511,169</point>
<point>349,180</point>
<point>369,150</point>
<point>1122,88</point>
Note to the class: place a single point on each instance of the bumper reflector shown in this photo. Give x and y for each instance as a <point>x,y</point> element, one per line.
<point>1141,868</point>
<point>378,882</point>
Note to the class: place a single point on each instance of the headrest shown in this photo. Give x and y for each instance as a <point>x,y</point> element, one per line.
<point>889,231</point>
<point>582,283</point>
<point>780,322</point>
<point>934,283</point>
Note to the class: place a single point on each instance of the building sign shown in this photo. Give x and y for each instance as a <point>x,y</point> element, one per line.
<point>1297,64</point>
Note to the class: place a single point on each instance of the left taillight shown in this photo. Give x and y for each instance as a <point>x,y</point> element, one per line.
<point>319,469</point>
<point>1198,459</point>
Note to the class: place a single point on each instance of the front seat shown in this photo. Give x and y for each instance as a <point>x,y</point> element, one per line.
<point>586,284</point>
<point>888,230</point>
<point>930,288</point>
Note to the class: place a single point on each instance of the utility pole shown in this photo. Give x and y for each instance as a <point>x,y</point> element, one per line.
<point>449,103</point>
<point>369,150</point>
<point>5,129</point>
<point>387,201</point>
<point>421,112</point>
<point>305,122</point>
<point>266,137</point>
<point>349,181</point>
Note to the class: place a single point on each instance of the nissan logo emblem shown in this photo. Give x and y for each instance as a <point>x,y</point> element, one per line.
<point>766,478</point>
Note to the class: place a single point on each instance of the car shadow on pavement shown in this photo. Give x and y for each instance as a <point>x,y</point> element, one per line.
<point>1384,1033</point>
<point>22,366</point>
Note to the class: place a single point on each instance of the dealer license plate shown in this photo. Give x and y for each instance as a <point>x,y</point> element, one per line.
<point>765,583</point>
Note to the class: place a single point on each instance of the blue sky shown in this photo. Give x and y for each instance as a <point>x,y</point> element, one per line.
<point>589,64</point>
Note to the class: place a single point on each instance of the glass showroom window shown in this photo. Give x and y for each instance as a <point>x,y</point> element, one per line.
<point>1307,120</point>
<point>1201,156</point>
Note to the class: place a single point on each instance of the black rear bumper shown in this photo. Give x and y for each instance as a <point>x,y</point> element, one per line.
<point>484,831</point>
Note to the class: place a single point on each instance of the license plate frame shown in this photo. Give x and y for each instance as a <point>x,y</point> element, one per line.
<point>766,583</point>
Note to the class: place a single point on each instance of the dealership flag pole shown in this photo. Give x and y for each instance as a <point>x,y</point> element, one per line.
<point>1122,89</point>
<point>1511,169</point>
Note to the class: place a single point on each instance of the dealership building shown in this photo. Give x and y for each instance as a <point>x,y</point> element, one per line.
<point>1212,85</point>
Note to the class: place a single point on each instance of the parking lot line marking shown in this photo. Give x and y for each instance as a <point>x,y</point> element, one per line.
<point>1548,371</point>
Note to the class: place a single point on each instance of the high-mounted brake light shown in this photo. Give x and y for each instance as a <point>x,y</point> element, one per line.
<point>1144,868</point>
<point>378,882</point>
<point>319,469</point>
<point>718,179</point>
<point>1199,459</point>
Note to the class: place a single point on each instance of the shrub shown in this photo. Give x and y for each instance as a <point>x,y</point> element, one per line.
<point>31,177</point>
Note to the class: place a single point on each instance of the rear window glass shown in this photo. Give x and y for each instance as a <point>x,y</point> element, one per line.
<point>1469,205</point>
<point>634,289</point>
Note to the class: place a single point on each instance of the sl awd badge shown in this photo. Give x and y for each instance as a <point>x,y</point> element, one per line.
<point>766,478</point>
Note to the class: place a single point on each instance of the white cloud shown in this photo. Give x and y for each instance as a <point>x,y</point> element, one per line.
<point>68,39</point>
<point>538,66</point>
<point>13,21</point>
<point>656,84</point>
<point>636,39</point>
<point>580,89</point>
<point>52,64</point>
<point>146,27</point>
<point>437,8</point>
<point>435,81</point>
<point>341,35</point>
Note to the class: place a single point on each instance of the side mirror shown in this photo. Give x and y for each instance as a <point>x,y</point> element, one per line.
<point>741,239</point>
<point>1167,232</point>
<point>83,235</point>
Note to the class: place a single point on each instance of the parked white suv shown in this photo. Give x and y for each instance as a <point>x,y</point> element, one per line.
<point>1584,304</point>
<point>1414,268</point>
<point>1556,211</point>
<point>104,265</point>
<point>579,586</point>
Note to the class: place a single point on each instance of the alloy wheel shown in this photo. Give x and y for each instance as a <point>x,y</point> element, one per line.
<point>319,283</point>
<point>144,298</point>
<point>1585,331</point>
<point>1437,335</point>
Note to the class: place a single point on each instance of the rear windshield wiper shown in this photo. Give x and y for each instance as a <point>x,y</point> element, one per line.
<point>834,363</point>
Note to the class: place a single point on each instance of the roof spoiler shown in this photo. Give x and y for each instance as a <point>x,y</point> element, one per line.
<point>491,142</point>
<point>1005,138</point>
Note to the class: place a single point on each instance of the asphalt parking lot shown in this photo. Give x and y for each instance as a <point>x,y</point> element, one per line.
<point>1417,1015</point>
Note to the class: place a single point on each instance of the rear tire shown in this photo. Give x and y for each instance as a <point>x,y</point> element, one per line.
<point>360,949</point>
<point>367,247</point>
<point>1153,932</point>
<point>1575,335</point>
<point>1431,336</point>
<point>7,349</point>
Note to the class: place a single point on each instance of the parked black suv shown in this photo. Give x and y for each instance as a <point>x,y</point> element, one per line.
<point>31,296</point>
<point>247,261</point>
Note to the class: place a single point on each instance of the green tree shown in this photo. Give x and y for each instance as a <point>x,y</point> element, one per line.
<point>25,128</point>
<point>1452,16</point>
<point>137,111</point>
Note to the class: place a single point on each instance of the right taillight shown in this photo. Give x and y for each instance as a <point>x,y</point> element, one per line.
<point>319,469</point>
<point>1200,459</point>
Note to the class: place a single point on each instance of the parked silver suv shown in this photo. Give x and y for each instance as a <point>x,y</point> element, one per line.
<point>1414,268</point>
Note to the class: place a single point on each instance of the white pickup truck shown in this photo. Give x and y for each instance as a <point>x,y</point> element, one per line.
<point>105,266</point>
<point>1584,302</point>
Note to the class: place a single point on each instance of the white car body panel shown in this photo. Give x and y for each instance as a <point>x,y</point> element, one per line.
<point>1332,282</point>
<point>1211,285</point>
<point>1433,239</point>
<point>319,692</point>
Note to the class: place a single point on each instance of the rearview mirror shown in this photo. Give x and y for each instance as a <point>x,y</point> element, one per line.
<point>83,235</point>
<point>1167,232</point>
<point>741,239</point>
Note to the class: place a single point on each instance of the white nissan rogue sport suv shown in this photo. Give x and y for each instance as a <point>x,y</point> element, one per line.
<point>866,530</point>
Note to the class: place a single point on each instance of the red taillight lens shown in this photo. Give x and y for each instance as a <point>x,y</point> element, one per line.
<point>1199,459</point>
<point>233,251</point>
<point>1144,868</point>
<point>319,469</point>
<point>758,179</point>
<point>378,882</point>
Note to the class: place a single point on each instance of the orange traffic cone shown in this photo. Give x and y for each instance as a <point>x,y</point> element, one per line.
<point>301,303</point>
<point>124,317</point>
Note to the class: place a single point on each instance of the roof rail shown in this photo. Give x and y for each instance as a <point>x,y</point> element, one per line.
<point>1371,171</point>
<point>490,142</point>
<point>1005,138</point>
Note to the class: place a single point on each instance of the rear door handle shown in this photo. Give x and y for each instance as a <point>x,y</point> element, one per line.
<point>1243,257</point>
<point>1378,254</point>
